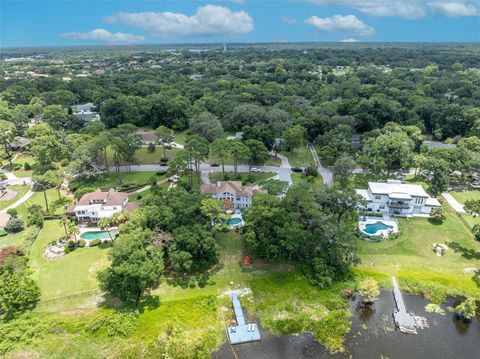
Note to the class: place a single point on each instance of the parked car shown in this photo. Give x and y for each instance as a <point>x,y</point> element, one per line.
<point>297,169</point>
<point>255,169</point>
<point>214,164</point>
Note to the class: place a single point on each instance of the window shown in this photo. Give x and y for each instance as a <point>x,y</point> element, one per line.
<point>378,197</point>
<point>382,207</point>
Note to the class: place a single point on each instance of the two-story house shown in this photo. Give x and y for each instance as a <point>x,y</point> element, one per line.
<point>232,194</point>
<point>96,205</point>
<point>394,197</point>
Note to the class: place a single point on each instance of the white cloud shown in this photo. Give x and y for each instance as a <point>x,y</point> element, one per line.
<point>104,36</point>
<point>349,40</point>
<point>288,20</point>
<point>349,24</point>
<point>209,20</point>
<point>410,9</point>
<point>455,9</point>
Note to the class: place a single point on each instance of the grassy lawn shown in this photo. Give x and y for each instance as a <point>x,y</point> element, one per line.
<point>21,159</point>
<point>12,240</point>
<point>180,137</point>
<point>21,190</point>
<point>299,178</point>
<point>272,161</point>
<point>72,274</point>
<point>410,257</point>
<point>247,178</point>
<point>301,157</point>
<point>111,180</point>
<point>462,197</point>
<point>38,198</point>
<point>147,158</point>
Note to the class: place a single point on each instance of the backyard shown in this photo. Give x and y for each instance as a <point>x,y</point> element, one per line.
<point>411,258</point>
<point>462,197</point>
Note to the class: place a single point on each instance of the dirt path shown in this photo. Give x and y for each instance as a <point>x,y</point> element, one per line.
<point>457,206</point>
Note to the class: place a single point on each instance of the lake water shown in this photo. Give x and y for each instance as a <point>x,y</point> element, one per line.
<point>373,335</point>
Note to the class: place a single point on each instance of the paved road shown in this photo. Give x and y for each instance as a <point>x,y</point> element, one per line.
<point>284,174</point>
<point>326,174</point>
<point>457,206</point>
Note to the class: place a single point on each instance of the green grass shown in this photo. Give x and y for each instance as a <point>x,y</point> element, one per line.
<point>21,159</point>
<point>14,239</point>
<point>38,198</point>
<point>21,190</point>
<point>72,274</point>
<point>301,157</point>
<point>410,257</point>
<point>298,178</point>
<point>180,137</point>
<point>463,196</point>
<point>111,180</point>
<point>147,158</point>
<point>258,177</point>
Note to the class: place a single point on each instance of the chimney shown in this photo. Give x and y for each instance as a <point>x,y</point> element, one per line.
<point>218,184</point>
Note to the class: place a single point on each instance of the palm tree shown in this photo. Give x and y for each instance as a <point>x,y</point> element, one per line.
<point>105,224</point>
<point>65,222</point>
<point>73,229</point>
<point>119,218</point>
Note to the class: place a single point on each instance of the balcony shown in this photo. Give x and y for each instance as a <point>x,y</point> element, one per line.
<point>398,204</point>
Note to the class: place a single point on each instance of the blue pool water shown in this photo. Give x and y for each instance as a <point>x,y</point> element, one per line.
<point>234,221</point>
<point>88,236</point>
<point>373,228</point>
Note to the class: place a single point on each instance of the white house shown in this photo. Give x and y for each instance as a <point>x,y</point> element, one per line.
<point>232,194</point>
<point>96,205</point>
<point>85,112</point>
<point>394,197</point>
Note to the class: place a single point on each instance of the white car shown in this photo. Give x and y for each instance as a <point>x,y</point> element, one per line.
<point>255,169</point>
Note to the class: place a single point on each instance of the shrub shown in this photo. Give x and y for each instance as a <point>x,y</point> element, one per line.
<point>437,216</point>
<point>164,159</point>
<point>466,310</point>
<point>3,176</point>
<point>26,166</point>
<point>35,219</point>
<point>12,212</point>
<point>64,162</point>
<point>14,226</point>
<point>95,242</point>
<point>3,234</point>
<point>82,243</point>
<point>70,247</point>
<point>476,231</point>
<point>161,173</point>
<point>79,192</point>
<point>369,289</point>
<point>151,148</point>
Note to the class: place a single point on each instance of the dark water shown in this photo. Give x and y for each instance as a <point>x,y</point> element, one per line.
<point>373,335</point>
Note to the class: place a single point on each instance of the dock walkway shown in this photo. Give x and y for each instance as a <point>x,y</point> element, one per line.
<point>404,319</point>
<point>243,332</point>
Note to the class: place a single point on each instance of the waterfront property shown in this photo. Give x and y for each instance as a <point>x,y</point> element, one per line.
<point>96,205</point>
<point>374,226</point>
<point>396,198</point>
<point>232,194</point>
<point>243,332</point>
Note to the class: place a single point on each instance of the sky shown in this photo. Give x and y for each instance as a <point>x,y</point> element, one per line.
<point>92,22</point>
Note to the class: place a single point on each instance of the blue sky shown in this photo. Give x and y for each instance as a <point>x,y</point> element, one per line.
<point>73,22</point>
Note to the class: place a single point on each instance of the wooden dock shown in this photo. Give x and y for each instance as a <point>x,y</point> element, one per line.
<point>404,319</point>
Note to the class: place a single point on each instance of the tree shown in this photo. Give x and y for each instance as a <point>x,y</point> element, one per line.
<point>55,116</point>
<point>294,137</point>
<point>46,181</point>
<point>476,232</point>
<point>438,216</point>
<point>18,291</point>
<point>369,289</point>
<point>65,223</point>
<point>7,136</point>
<point>212,209</point>
<point>192,248</point>
<point>104,224</point>
<point>151,148</point>
<point>239,152</point>
<point>275,187</point>
<point>258,152</point>
<point>137,265</point>
<point>438,170</point>
<point>343,168</point>
<point>165,137</point>
<point>206,125</point>
<point>197,148</point>
<point>220,147</point>
<point>467,309</point>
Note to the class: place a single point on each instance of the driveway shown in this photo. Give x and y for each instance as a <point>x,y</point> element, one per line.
<point>457,206</point>
<point>326,173</point>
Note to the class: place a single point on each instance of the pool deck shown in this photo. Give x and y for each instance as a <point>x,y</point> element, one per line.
<point>389,221</point>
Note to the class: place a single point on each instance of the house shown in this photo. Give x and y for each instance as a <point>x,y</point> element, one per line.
<point>85,112</point>
<point>148,137</point>
<point>232,194</point>
<point>96,205</point>
<point>435,145</point>
<point>20,143</point>
<point>394,197</point>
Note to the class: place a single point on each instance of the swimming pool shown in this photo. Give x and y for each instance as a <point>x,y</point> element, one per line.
<point>373,228</point>
<point>234,221</point>
<point>88,236</point>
